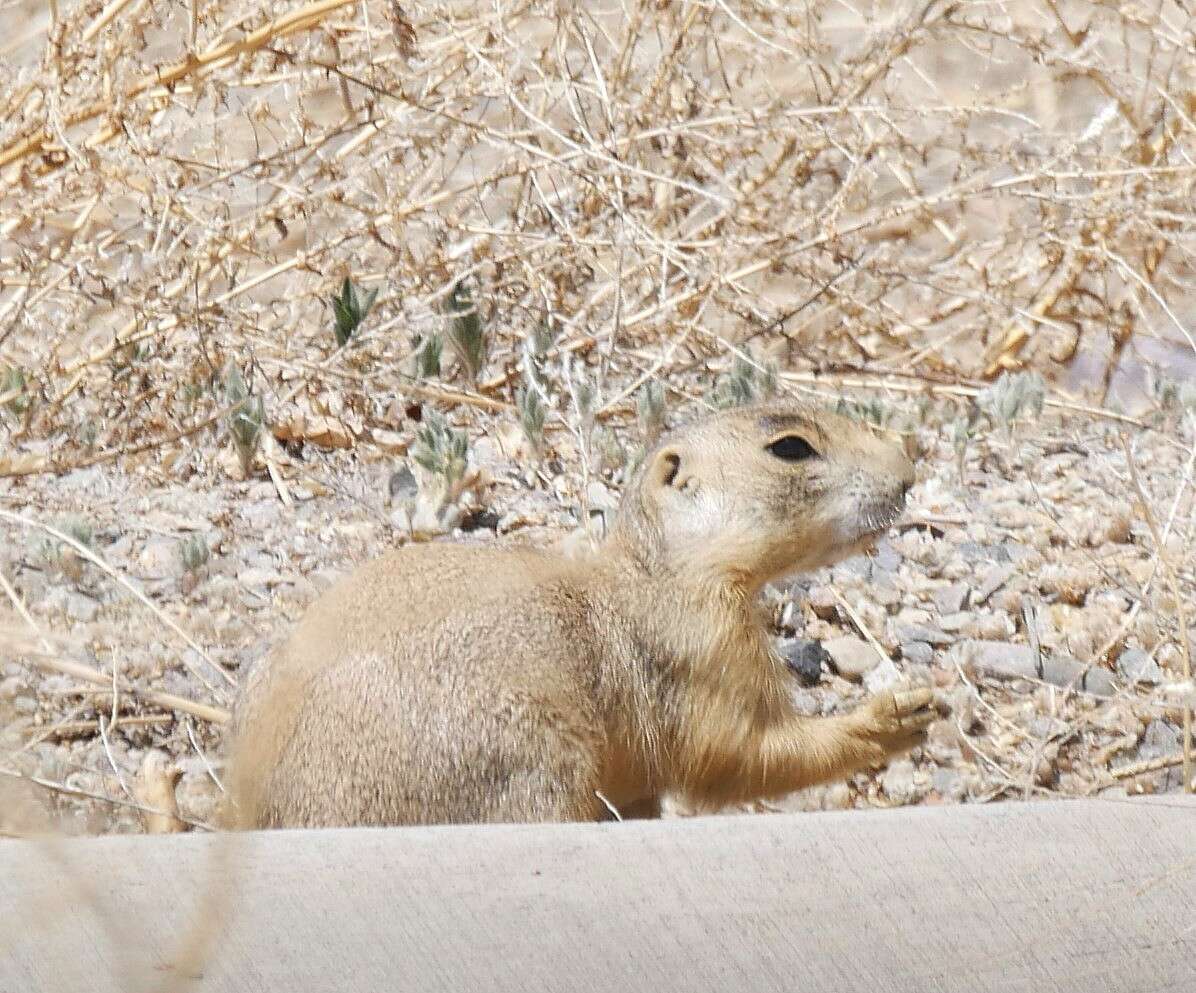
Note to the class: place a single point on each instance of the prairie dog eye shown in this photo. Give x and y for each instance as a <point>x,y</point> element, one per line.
<point>792,448</point>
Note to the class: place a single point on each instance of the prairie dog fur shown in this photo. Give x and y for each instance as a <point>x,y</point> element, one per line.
<point>445,683</point>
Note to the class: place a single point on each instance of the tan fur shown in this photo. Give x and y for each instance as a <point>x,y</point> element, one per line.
<point>444,683</point>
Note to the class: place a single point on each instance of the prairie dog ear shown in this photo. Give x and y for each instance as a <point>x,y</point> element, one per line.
<point>665,470</point>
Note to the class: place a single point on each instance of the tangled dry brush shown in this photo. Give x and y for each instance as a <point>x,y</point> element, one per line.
<point>545,208</point>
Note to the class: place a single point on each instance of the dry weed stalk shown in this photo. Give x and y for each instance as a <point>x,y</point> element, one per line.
<point>942,189</point>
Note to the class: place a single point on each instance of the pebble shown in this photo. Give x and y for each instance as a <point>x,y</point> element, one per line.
<point>804,658</point>
<point>1006,660</point>
<point>837,796</point>
<point>921,632</point>
<point>991,626</point>
<point>956,622</point>
<point>884,591</point>
<point>807,704</point>
<point>883,677</point>
<point>159,557</point>
<point>823,604</point>
<point>81,608</point>
<point>917,652</point>
<point>10,687</point>
<point>992,580</point>
<point>898,781</point>
<point>886,558</point>
<point>951,599</point>
<point>1160,740</point>
<point>948,784</point>
<point>1138,667</point>
<point>853,658</point>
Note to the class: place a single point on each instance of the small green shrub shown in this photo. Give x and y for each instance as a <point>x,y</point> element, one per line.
<point>349,310</point>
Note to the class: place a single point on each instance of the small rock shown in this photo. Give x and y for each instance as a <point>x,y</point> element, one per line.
<point>1137,666</point>
<point>898,781</point>
<point>198,797</point>
<point>975,552</point>
<point>81,608</point>
<point>837,797</point>
<point>159,558</point>
<point>1005,660</point>
<point>804,658</point>
<point>992,580</point>
<point>853,658</point>
<point>822,602</point>
<point>922,632</point>
<point>948,784</point>
<point>884,592</point>
<point>260,578</point>
<point>851,570</point>
<point>956,568</point>
<point>956,622</point>
<point>886,558</point>
<point>884,677</point>
<point>600,497</point>
<point>402,487</point>
<point>951,599</point>
<point>917,652</point>
<point>806,704</point>
<point>1160,739</point>
<point>1002,659</point>
<point>1014,551</point>
<point>262,515</point>
<point>990,626</point>
<point>1044,726</point>
<point>391,442</point>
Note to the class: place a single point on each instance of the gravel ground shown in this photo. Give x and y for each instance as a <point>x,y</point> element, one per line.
<point>1028,591</point>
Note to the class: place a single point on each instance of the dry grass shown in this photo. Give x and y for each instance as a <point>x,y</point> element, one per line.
<point>948,189</point>
<point>907,198</point>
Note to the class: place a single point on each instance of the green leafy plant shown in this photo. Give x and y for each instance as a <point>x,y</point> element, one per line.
<point>465,333</point>
<point>608,450</point>
<point>12,390</point>
<point>744,383</point>
<point>872,411</point>
<point>88,432</point>
<point>427,357</point>
<point>246,420</point>
<point>441,451</point>
<point>531,417</point>
<point>349,310</point>
<point>963,430</point>
<point>536,344</point>
<point>194,553</point>
<point>1173,396</point>
<point>634,459</point>
<point>1012,397</point>
<point>59,555</point>
<point>127,357</point>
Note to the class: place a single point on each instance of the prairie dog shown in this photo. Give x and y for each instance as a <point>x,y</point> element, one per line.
<point>446,683</point>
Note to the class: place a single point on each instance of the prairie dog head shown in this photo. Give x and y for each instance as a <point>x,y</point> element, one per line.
<point>752,494</point>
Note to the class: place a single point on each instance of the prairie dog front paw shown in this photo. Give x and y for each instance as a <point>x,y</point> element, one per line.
<point>896,721</point>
